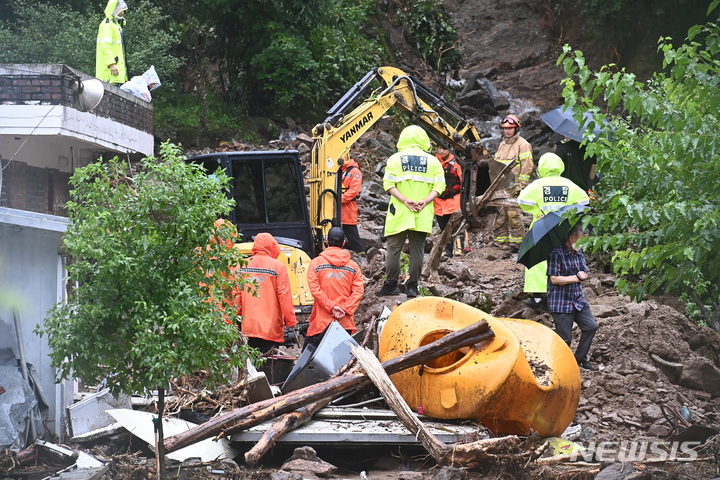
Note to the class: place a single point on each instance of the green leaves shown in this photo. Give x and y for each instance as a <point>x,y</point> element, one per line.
<point>153,299</point>
<point>657,208</point>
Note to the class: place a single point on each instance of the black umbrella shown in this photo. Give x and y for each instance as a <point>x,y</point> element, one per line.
<point>546,233</point>
<point>561,121</point>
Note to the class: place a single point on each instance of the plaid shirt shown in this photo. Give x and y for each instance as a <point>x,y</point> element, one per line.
<point>563,298</point>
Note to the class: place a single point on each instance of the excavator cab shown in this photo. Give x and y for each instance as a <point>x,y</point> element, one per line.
<point>269,194</point>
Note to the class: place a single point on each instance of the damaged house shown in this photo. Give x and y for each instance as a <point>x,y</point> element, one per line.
<point>52,121</point>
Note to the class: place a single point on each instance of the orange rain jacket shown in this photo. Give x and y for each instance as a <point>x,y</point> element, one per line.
<point>334,280</point>
<point>266,315</point>
<point>453,184</point>
<point>228,242</point>
<point>351,183</point>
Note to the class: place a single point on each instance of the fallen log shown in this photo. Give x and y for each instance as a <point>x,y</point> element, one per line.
<point>456,221</point>
<point>470,455</point>
<point>254,414</point>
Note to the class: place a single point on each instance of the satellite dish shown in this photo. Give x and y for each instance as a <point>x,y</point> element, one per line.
<point>89,93</point>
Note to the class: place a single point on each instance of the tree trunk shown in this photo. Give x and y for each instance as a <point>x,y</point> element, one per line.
<point>251,415</point>
<point>159,445</point>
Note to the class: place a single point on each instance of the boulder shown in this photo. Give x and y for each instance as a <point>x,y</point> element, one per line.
<point>699,373</point>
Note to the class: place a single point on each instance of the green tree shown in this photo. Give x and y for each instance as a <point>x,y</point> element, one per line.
<point>39,32</point>
<point>657,209</point>
<point>148,306</point>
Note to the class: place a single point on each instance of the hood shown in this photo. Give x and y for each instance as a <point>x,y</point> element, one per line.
<point>114,7</point>
<point>336,255</point>
<point>226,233</point>
<point>413,137</point>
<point>150,77</point>
<point>265,244</point>
<point>550,165</point>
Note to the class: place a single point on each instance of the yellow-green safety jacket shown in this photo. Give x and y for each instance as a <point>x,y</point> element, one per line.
<point>415,173</point>
<point>111,47</point>
<point>547,193</point>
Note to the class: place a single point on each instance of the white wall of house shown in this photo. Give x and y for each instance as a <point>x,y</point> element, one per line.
<point>31,279</point>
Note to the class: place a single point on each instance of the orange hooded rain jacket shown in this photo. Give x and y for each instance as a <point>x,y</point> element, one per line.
<point>351,183</point>
<point>334,280</point>
<point>266,315</point>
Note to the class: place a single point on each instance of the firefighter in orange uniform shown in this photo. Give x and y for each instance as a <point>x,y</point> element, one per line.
<point>336,283</point>
<point>449,201</point>
<point>351,183</point>
<point>265,315</point>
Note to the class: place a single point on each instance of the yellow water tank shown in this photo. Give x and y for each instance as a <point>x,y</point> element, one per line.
<point>524,379</point>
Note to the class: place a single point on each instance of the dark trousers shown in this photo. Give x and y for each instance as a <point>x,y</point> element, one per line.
<point>352,239</point>
<point>262,344</point>
<point>395,245</point>
<point>585,320</point>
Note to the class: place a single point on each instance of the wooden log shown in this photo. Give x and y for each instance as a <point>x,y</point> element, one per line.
<point>26,457</point>
<point>457,220</point>
<point>470,455</point>
<point>287,422</point>
<point>374,370</point>
<point>251,415</point>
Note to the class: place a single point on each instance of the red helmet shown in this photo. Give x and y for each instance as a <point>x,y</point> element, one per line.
<point>510,121</point>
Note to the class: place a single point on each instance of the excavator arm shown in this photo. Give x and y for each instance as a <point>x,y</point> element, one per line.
<point>333,138</point>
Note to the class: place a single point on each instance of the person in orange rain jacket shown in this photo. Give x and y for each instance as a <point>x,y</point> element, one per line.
<point>336,283</point>
<point>265,315</point>
<point>449,201</point>
<point>227,233</point>
<point>351,182</point>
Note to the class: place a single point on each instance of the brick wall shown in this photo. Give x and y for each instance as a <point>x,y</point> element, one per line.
<point>41,190</point>
<point>55,89</point>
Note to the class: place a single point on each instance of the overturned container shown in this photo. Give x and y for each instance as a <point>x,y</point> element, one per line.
<point>524,379</point>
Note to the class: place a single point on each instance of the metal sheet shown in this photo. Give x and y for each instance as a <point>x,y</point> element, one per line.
<point>317,365</point>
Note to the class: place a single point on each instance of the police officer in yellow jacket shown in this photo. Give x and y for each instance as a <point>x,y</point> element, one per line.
<point>509,229</point>
<point>414,177</point>
<point>110,62</point>
<point>549,192</point>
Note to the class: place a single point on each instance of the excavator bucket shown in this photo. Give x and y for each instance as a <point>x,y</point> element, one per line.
<point>523,380</point>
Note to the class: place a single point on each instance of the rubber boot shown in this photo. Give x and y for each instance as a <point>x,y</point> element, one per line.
<point>388,288</point>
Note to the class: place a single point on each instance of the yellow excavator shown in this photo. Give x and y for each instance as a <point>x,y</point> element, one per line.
<point>268,186</point>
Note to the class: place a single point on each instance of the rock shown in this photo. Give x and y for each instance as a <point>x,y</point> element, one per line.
<point>603,311</point>
<point>305,459</point>
<point>700,373</point>
<point>659,429</point>
<point>450,473</point>
<point>305,138</point>
<point>617,471</point>
<point>477,99</point>
<point>500,100</point>
<point>280,475</point>
<point>651,413</point>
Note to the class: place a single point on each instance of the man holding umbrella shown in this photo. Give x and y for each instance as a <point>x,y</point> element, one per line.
<point>566,270</point>
<point>546,194</point>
